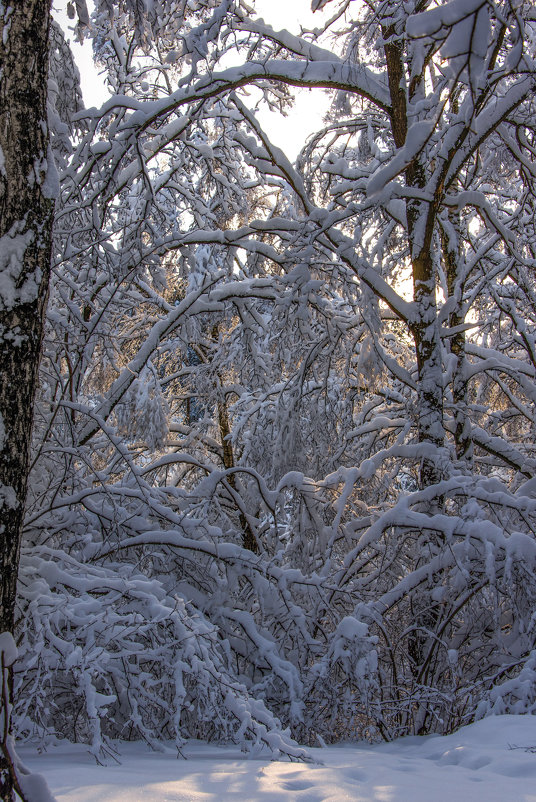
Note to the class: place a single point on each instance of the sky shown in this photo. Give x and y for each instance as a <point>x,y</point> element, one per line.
<point>310,107</point>
<point>289,132</point>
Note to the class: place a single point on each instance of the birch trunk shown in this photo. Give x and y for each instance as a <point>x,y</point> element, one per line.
<point>26,210</point>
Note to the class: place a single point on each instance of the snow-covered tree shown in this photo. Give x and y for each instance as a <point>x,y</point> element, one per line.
<point>283,457</point>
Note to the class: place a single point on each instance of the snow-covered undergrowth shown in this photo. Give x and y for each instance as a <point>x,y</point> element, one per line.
<point>476,763</point>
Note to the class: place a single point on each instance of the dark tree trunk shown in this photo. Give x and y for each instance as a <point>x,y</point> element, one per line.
<point>249,541</point>
<point>462,426</point>
<point>421,219</point>
<point>430,374</point>
<point>26,211</point>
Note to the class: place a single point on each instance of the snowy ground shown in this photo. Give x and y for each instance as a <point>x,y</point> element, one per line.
<point>476,763</point>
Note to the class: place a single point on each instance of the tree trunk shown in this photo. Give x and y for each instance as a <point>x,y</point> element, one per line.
<point>249,540</point>
<point>26,213</point>
<point>462,426</point>
<point>421,219</point>
<point>429,365</point>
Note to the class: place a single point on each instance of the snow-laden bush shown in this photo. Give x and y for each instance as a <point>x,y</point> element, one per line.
<point>106,653</point>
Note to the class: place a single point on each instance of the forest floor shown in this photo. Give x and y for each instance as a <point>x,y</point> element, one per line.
<point>478,762</point>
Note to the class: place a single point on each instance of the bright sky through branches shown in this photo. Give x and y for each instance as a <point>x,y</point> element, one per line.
<point>289,132</point>
<point>307,113</point>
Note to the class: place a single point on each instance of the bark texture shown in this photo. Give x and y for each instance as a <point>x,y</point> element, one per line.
<point>26,212</point>
<point>421,217</point>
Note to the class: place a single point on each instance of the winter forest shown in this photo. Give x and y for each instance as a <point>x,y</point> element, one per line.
<point>280,487</point>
